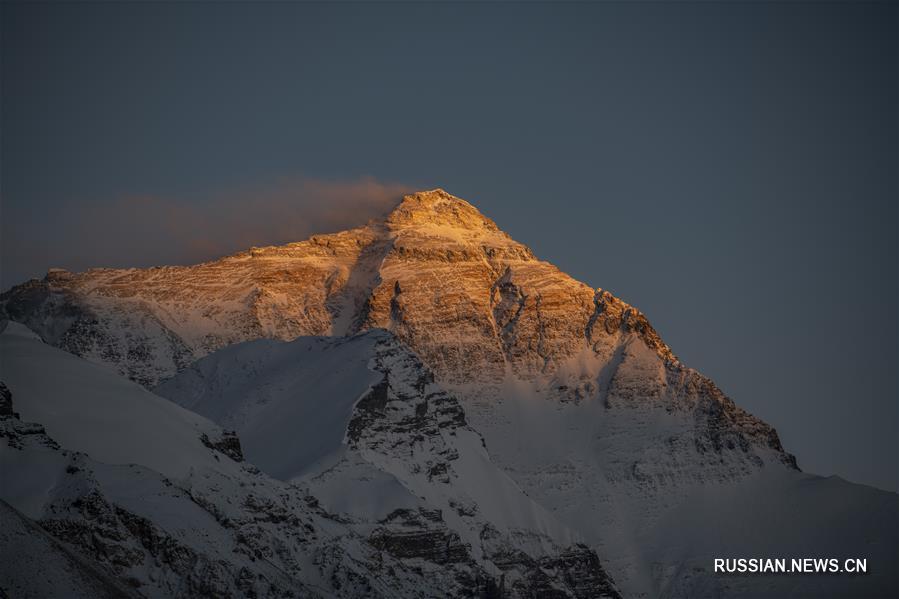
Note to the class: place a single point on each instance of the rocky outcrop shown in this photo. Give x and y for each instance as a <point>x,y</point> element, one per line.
<point>6,402</point>
<point>573,573</point>
<point>228,443</point>
<point>420,534</point>
<point>36,565</point>
<point>18,434</point>
<point>577,567</point>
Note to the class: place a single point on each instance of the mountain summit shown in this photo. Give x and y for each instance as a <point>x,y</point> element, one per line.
<point>437,208</point>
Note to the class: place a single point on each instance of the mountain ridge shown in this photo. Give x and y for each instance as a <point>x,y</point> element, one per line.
<point>433,214</point>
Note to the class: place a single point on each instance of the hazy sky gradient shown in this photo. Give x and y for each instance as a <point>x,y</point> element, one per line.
<point>729,168</point>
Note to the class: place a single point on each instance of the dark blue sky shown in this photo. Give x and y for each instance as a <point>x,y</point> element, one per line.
<point>729,168</point>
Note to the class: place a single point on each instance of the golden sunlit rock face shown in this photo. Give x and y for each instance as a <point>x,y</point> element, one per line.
<point>439,274</point>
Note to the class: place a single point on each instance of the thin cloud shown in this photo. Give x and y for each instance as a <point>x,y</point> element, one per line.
<point>146,230</point>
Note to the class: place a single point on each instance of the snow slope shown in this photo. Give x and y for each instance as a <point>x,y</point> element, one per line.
<point>203,525</point>
<point>658,515</point>
<point>290,403</point>
<point>394,441</point>
<point>126,423</point>
<point>34,565</point>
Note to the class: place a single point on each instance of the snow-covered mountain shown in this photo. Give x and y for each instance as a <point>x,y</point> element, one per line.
<point>658,536</point>
<point>538,416</point>
<point>124,493</point>
<point>361,422</point>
